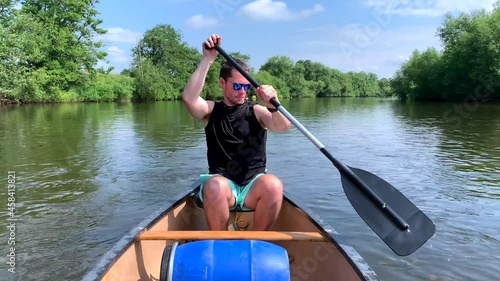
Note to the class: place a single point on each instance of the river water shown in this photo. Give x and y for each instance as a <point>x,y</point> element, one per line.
<point>88,173</point>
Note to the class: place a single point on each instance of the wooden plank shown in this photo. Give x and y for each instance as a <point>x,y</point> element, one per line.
<point>235,235</point>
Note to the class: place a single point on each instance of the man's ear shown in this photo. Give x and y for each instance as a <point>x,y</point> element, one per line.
<point>222,82</point>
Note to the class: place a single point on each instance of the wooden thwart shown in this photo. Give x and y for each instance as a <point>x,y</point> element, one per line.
<point>235,235</point>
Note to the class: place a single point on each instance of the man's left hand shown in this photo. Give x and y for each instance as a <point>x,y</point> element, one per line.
<point>265,93</point>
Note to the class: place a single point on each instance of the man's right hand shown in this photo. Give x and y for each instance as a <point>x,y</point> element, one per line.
<point>208,46</point>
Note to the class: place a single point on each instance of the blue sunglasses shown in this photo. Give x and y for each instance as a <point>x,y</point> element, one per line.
<point>238,86</point>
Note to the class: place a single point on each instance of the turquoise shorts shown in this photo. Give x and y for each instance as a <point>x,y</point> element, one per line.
<point>239,192</point>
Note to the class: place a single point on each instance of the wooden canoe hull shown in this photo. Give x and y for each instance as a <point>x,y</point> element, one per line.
<point>314,248</point>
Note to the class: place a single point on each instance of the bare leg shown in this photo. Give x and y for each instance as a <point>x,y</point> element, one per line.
<point>265,197</point>
<point>217,198</point>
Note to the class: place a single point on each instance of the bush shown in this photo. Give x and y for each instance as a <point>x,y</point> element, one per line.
<point>107,87</point>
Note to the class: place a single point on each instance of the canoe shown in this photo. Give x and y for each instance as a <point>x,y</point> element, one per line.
<point>175,243</point>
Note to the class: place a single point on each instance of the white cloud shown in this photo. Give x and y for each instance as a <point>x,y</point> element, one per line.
<point>116,55</point>
<point>276,11</point>
<point>120,35</point>
<point>118,42</point>
<point>432,8</point>
<point>201,21</point>
<point>353,48</point>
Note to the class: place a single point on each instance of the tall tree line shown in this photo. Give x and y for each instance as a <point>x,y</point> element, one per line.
<point>468,68</point>
<point>49,52</point>
<point>163,63</point>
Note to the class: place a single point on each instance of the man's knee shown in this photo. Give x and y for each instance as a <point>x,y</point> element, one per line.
<point>272,187</point>
<point>216,188</point>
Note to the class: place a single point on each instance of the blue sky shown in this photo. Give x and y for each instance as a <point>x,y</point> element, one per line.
<point>361,35</point>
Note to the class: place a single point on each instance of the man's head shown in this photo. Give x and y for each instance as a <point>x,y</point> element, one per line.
<point>233,84</point>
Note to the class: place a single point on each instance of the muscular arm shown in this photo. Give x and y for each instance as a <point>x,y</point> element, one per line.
<point>198,107</point>
<point>275,122</point>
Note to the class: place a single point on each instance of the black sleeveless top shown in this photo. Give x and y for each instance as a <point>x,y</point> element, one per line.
<point>236,142</point>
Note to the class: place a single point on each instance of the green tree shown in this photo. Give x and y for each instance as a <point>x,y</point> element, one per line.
<point>466,54</point>
<point>306,78</point>
<point>60,41</point>
<point>333,83</point>
<point>281,67</point>
<point>265,78</point>
<point>423,73</point>
<point>385,87</point>
<point>364,84</point>
<point>318,77</point>
<point>7,58</point>
<point>163,63</point>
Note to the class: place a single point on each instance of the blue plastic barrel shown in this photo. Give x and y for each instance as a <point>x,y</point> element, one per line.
<point>243,260</point>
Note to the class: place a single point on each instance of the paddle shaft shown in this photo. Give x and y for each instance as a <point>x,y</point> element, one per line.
<point>343,169</point>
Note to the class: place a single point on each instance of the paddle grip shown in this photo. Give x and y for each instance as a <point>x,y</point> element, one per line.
<point>243,72</point>
<point>367,191</point>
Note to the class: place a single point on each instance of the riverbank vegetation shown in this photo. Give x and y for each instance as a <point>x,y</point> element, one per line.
<point>50,53</point>
<point>61,65</point>
<point>163,63</point>
<point>467,69</point>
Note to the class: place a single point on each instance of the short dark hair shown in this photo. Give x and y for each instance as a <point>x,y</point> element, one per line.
<point>227,68</point>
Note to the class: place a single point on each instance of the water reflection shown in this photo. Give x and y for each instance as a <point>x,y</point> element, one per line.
<point>471,149</point>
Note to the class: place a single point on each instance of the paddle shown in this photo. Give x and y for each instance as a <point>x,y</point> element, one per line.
<point>396,220</point>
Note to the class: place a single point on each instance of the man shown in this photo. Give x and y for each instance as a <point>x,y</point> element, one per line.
<point>236,140</point>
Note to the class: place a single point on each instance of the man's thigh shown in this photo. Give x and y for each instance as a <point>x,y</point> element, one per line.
<point>248,197</point>
<point>205,177</point>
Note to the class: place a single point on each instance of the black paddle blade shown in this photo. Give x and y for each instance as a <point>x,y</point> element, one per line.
<point>402,242</point>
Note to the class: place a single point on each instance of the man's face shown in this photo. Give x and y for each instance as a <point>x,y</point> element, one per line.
<point>235,88</point>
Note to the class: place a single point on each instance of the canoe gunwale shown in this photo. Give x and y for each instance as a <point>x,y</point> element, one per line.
<point>352,256</point>
<point>107,261</point>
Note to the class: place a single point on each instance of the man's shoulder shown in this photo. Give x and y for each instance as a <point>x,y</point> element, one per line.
<point>211,106</point>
